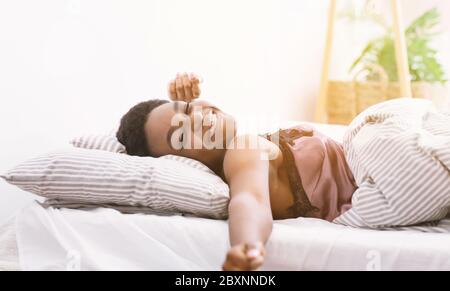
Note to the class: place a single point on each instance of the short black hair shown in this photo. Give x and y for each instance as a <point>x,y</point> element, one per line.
<point>131,131</point>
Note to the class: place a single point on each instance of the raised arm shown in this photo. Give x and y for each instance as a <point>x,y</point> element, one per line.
<point>185,87</point>
<point>250,215</point>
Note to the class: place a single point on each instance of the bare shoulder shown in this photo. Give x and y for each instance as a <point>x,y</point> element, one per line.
<point>249,152</point>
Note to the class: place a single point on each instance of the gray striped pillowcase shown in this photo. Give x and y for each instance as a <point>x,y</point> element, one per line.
<point>107,142</point>
<point>98,178</point>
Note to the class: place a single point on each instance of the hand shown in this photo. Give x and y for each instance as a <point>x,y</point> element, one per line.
<point>184,88</point>
<point>245,257</point>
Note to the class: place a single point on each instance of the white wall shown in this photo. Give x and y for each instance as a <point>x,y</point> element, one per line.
<point>69,67</point>
<point>74,66</point>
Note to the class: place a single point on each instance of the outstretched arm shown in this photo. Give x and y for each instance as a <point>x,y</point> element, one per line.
<point>250,215</point>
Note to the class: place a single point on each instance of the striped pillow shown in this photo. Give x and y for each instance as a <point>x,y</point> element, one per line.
<point>106,142</point>
<point>109,143</point>
<point>101,178</point>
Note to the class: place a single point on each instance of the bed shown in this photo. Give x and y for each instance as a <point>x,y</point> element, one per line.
<point>105,239</point>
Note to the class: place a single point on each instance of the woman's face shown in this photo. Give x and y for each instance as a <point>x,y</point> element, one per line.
<point>196,130</point>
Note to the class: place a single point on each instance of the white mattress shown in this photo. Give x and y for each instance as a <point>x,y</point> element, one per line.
<point>105,239</point>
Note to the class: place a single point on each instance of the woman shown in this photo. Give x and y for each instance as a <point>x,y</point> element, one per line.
<point>264,181</point>
<point>398,153</point>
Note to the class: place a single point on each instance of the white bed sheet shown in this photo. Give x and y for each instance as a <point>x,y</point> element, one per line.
<point>105,239</point>
<point>9,259</point>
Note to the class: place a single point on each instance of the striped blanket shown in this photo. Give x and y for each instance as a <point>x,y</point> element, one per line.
<point>399,153</point>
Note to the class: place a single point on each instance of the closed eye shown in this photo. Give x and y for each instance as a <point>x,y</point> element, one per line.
<point>182,138</point>
<point>187,109</point>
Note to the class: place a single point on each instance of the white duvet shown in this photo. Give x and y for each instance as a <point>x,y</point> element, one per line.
<point>105,239</point>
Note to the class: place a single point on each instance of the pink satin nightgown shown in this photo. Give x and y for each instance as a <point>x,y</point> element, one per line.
<point>325,174</point>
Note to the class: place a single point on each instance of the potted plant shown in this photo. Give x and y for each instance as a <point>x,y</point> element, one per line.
<point>375,69</point>
<point>423,63</point>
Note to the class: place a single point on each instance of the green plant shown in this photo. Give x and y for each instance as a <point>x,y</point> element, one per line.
<point>423,63</point>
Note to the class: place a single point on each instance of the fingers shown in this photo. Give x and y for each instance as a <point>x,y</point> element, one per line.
<point>236,259</point>
<point>179,88</point>
<point>187,87</point>
<point>243,265</point>
<point>255,254</point>
<point>256,262</point>
<point>195,82</point>
<point>173,91</point>
<point>244,258</point>
<point>254,250</point>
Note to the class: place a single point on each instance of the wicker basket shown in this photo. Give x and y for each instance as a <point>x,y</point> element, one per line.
<point>341,102</point>
<point>346,99</point>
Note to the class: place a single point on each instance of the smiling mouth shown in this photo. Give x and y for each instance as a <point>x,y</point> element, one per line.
<point>211,121</point>
<point>213,127</point>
